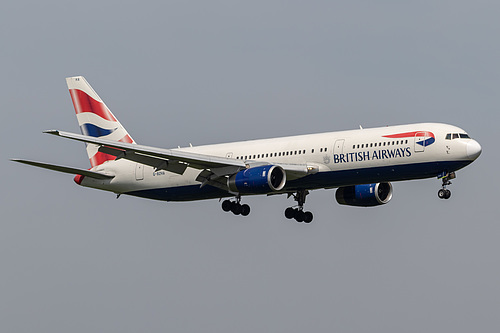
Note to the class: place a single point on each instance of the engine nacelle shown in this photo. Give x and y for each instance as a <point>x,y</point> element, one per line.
<point>261,179</point>
<point>366,195</point>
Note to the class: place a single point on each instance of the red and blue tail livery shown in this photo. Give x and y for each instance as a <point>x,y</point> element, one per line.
<point>360,163</point>
<point>95,119</point>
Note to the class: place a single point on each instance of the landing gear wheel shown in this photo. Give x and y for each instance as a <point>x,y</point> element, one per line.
<point>298,213</point>
<point>308,217</point>
<point>245,210</point>
<point>289,213</point>
<point>444,193</point>
<point>226,205</point>
<point>300,216</point>
<point>235,208</point>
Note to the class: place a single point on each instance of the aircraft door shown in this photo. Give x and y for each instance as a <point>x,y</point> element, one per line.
<point>339,147</point>
<point>139,171</point>
<point>419,142</point>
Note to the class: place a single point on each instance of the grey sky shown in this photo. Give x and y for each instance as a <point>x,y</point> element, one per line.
<point>175,72</point>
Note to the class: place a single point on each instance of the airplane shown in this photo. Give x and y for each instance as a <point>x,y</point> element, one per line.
<point>360,163</point>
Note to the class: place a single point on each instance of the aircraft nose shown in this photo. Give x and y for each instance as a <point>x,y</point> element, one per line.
<point>473,149</point>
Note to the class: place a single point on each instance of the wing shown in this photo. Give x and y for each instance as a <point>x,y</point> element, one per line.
<point>156,157</point>
<point>65,169</point>
<point>213,168</point>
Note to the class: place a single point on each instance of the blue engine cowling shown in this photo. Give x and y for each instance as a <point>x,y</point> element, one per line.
<point>261,179</point>
<point>366,195</point>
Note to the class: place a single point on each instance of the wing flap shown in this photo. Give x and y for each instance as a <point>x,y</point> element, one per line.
<point>155,162</point>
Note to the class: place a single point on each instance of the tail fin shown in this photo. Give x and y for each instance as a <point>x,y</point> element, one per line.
<point>94,118</point>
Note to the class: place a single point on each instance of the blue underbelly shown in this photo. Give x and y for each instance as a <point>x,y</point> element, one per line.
<point>316,181</point>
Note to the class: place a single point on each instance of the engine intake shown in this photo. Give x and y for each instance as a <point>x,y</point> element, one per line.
<point>366,195</point>
<point>261,179</point>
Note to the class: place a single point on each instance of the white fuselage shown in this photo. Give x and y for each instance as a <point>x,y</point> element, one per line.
<point>343,158</point>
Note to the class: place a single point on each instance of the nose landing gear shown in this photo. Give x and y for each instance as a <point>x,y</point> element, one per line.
<point>444,193</point>
<point>298,213</point>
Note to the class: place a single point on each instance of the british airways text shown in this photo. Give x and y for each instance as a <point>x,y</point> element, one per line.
<point>368,156</point>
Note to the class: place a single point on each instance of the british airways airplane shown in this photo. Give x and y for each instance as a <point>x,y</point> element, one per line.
<point>359,163</point>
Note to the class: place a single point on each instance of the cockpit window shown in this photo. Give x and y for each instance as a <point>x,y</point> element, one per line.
<point>451,136</point>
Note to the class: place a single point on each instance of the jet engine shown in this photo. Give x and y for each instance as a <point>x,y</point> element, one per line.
<point>258,180</point>
<point>366,195</point>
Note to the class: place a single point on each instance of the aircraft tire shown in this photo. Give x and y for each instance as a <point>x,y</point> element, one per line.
<point>299,216</point>
<point>289,213</point>
<point>226,205</point>
<point>245,210</point>
<point>236,208</point>
<point>308,217</point>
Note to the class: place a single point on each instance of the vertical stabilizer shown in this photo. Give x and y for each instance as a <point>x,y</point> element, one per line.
<point>94,118</point>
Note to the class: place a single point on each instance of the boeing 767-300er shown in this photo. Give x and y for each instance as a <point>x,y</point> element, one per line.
<point>359,163</point>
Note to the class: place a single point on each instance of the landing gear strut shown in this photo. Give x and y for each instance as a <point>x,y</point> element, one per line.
<point>444,193</point>
<point>298,213</point>
<point>236,207</point>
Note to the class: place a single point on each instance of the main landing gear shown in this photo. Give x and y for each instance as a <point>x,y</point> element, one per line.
<point>298,213</point>
<point>236,207</point>
<point>444,193</point>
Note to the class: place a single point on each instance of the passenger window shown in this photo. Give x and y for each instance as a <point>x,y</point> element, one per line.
<point>312,151</point>
<point>326,149</point>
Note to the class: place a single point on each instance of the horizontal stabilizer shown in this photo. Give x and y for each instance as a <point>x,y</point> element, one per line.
<point>60,168</point>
